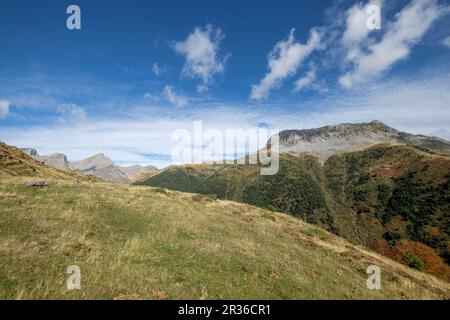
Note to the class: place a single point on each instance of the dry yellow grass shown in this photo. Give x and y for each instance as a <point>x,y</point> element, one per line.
<point>146,243</point>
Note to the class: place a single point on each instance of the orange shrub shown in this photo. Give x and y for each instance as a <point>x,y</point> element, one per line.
<point>433,263</point>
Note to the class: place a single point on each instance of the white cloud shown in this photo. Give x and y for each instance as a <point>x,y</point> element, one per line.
<point>201,51</point>
<point>71,112</point>
<point>357,32</point>
<point>157,70</point>
<point>356,29</point>
<point>4,108</point>
<point>305,81</point>
<point>410,25</point>
<point>283,61</point>
<point>446,42</point>
<point>174,98</point>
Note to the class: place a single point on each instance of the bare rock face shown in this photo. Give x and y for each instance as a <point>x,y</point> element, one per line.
<point>37,183</point>
<point>100,166</point>
<point>56,160</point>
<point>325,141</point>
<point>92,163</point>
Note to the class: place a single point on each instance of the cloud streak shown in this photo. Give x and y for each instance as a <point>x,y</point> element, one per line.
<point>4,108</point>
<point>356,23</point>
<point>283,62</point>
<point>305,81</point>
<point>370,59</point>
<point>174,98</point>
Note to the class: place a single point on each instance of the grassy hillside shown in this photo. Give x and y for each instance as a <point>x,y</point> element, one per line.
<point>392,198</point>
<point>296,188</point>
<point>139,242</point>
<point>150,243</point>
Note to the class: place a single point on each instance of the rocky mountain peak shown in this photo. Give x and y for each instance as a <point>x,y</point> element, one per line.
<point>345,137</point>
<point>97,161</point>
<point>335,131</point>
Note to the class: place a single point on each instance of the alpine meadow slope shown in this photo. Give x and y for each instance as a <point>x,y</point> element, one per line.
<point>134,242</point>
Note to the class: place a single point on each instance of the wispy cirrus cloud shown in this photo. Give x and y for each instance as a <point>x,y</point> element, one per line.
<point>283,62</point>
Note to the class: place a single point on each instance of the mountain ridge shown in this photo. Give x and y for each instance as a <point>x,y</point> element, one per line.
<point>325,141</point>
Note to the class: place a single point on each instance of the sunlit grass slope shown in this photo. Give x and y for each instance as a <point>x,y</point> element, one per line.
<point>140,242</point>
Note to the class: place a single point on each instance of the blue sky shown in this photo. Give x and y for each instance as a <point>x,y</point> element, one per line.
<point>137,71</point>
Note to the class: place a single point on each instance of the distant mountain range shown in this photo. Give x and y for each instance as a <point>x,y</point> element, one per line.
<point>320,142</point>
<point>98,165</point>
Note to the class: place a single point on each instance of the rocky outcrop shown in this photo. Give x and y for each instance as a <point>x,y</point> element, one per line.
<point>37,183</point>
<point>56,160</point>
